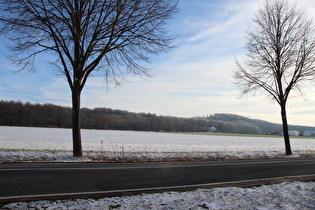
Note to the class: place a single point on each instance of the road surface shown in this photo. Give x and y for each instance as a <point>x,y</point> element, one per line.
<point>31,181</point>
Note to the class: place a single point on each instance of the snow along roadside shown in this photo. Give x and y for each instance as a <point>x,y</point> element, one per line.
<point>15,156</point>
<point>286,195</point>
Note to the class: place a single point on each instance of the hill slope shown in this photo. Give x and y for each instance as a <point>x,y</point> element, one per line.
<point>14,113</point>
<point>264,127</point>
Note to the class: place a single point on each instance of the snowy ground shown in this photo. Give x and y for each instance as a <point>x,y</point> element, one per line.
<point>18,144</point>
<point>295,195</point>
<point>15,156</point>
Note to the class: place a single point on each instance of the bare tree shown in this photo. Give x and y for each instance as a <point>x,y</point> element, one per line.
<point>114,36</point>
<point>281,55</point>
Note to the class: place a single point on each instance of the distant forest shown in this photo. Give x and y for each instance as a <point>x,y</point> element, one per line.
<point>17,113</point>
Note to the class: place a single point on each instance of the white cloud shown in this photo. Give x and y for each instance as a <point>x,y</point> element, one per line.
<point>58,90</point>
<point>192,80</point>
<point>195,79</point>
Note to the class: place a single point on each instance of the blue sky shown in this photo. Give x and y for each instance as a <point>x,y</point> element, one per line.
<point>192,80</point>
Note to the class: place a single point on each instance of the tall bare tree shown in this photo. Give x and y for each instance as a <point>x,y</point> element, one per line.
<point>281,55</point>
<point>114,36</point>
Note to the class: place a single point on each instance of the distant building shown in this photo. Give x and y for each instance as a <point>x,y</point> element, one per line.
<point>291,133</point>
<point>309,133</point>
<point>294,133</point>
<point>212,129</point>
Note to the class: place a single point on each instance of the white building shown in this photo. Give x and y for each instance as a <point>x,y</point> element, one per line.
<point>294,133</point>
<point>212,129</point>
<point>309,133</point>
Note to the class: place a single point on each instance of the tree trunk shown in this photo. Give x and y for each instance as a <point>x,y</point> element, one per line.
<point>76,122</point>
<point>288,150</point>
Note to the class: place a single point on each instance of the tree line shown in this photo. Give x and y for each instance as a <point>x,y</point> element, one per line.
<point>17,113</point>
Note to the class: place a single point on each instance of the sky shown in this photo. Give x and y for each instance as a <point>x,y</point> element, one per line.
<point>194,79</point>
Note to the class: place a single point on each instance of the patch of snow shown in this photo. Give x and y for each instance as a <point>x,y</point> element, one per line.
<point>15,156</point>
<point>286,195</point>
<point>23,144</point>
<point>136,141</point>
<point>19,144</point>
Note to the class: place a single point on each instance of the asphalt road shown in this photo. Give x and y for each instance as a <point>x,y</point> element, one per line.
<point>29,181</point>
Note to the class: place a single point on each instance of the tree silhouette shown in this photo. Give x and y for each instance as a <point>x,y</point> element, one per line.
<point>281,55</point>
<point>114,36</point>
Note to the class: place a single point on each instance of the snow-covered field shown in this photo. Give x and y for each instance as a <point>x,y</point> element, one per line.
<point>54,144</point>
<point>290,196</point>
<point>19,144</point>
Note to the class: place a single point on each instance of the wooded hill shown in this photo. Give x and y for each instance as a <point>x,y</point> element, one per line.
<point>17,113</point>
<point>260,126</point>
